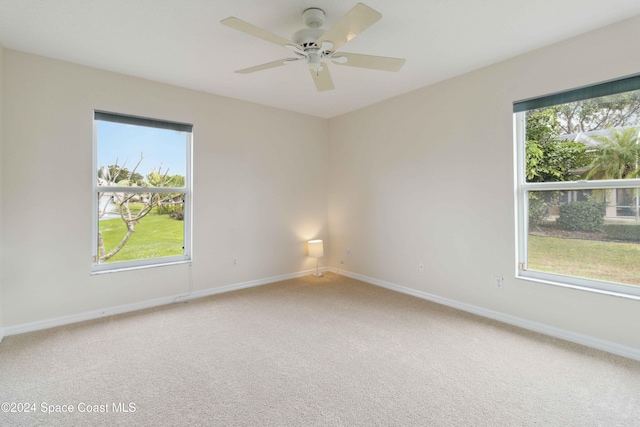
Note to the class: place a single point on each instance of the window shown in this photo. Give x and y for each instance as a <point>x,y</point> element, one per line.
<point>578,187</point>
<point>142,192</point>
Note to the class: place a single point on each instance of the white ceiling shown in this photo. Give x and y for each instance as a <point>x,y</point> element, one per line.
<point>182,42</point>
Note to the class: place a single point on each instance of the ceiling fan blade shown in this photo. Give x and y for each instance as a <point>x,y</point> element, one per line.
<point>266,66</point>
<point>368,61</point>
<point>252,30</point>
<point>353,23</point>
<point>322,79</point>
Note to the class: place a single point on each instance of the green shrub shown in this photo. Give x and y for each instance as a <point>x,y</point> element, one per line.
<point>538,210</point>
<point>177,215</point>
<point>582,216</point>
<point>169,208</point>
<point>623,231</point>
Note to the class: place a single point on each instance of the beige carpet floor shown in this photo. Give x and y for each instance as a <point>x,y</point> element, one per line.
<point>311,352</point>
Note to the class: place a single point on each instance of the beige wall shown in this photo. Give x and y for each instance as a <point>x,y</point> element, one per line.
<point>259,189</point>
<point>429,177</point>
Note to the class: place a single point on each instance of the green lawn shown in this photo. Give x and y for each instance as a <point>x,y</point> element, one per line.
<point>610,261</point>
<point>155,236</point>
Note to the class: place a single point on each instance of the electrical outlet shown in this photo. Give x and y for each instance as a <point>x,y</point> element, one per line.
<point>341,262</point>
<point>234,261</point>
<point>348,252</point>
<point>421,267</point>
<point>499,282</point>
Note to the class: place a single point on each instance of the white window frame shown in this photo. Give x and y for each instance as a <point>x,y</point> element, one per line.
<point>522,190</point>
<point>96,267</point>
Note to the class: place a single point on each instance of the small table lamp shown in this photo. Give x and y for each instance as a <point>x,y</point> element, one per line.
<point>316,251</point>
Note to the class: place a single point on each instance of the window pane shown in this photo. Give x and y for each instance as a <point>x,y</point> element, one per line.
<point>590,139</point>
<point>137,226</point>
<point>139,220</point>
<point>130,155</point>
<point>593,234</point>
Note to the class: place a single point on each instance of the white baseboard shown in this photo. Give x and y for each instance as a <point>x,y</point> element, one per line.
<point>586,340</point>
<point>96,314</point>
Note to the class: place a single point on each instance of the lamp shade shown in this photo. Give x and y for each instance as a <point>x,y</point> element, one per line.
<point>315,248</point>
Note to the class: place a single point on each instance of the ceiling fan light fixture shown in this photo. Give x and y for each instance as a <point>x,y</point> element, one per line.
<point>314,60</point>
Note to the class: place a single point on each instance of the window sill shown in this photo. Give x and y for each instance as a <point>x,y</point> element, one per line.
<point>137,267</point>
<point>578,287</point>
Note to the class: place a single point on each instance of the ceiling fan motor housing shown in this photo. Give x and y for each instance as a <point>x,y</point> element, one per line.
<point>307,37</point>
<point>313,17</point>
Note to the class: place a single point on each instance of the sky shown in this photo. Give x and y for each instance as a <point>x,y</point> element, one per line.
<point>125,143</point>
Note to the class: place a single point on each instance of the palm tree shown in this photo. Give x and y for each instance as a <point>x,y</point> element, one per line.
<point>617,156</point>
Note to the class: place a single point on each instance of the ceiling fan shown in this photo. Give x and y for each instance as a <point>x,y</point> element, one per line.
<point>317,47</point>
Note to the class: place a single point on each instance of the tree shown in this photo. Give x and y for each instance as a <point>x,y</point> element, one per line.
<point>168,203</point>
<point>132,206</point>
<point>175,181</point>
<point>548,157</point>
<point>556,160</point>
<point>616,156</point>
<point>117,173</point>
<point>618,110</point>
